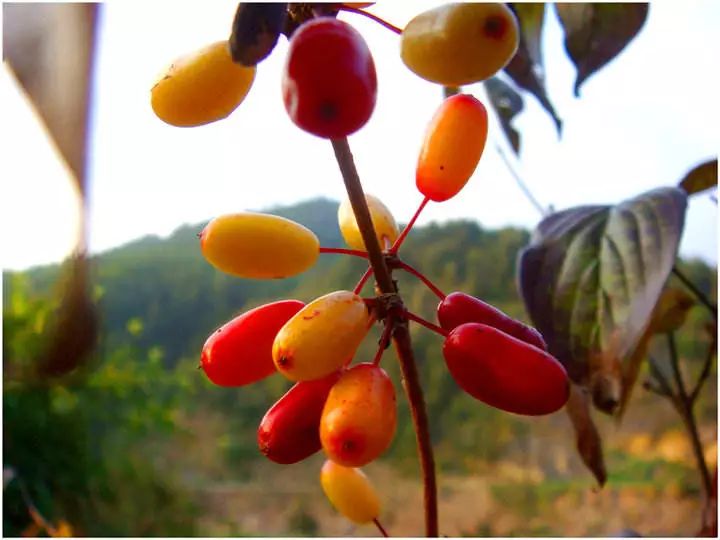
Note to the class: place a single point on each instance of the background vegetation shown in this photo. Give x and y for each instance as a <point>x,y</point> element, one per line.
<point>138,442</point>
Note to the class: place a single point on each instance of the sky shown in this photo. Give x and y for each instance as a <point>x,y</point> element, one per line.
<point>641,122</point>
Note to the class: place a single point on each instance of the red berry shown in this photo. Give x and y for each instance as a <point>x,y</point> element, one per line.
<point>240,351</point>
<point>329,83</point>
<point>290,430</point>
<point>459,308</point>
<point>505,372</point>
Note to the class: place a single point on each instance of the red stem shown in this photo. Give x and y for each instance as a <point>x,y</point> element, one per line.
<point>382,530</point>
<point>375,18</point>
<point>426,324</point>
<point>409,269</point>
<point>406,230</point>
<point>353,252</point>
<point>363,280</point>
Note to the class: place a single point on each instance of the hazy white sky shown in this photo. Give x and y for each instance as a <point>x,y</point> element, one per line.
<point>639,123</point>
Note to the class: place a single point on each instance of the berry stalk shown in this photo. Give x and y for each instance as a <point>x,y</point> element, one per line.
<point>372,17</point>
<point>363,280</point>
<point>343,251</point>
<point>401,334</point>
<point>382,530</point>
<point>427,324</point>
<point>430,285</point>
<point>408,227</point>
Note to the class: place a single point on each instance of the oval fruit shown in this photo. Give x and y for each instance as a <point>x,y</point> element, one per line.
<point>240,351</point>
<point>459,308</point>
<point>290,430</point>
<point>461,43</point>
<point>321,337</point>
<point>386,229</point>
<point>360,416</point>
<point>453,145</point>
<point>201,87</point>
<point>329,83</point>
<point>350,492</point>
<point>505,372</point>
<point>260,246</point>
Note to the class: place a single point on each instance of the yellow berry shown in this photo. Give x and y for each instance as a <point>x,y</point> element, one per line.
<point>350,492</point>
<point>259,246</point>
<point>322,336</point>
<point>386,229</point>
<point>458,44</point>
<point>201,87</point>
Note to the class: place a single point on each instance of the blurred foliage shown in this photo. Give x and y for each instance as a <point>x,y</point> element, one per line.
<point>125,445</point>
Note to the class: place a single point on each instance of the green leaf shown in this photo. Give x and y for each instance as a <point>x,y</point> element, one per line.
<point>526,68</point>
<point>591,277</point>
<point>702,177</point>
<point>597,33</point>
<point>507,104</point>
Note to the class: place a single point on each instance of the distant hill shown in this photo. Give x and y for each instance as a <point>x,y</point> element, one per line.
<point>179,298</point>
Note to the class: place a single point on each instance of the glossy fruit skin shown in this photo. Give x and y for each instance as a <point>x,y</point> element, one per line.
<point>260,246</point>
<point>201,87</point>
<point>360,416</point>
<point>329,83</point>
<point>505,372</point>
<point>386,230</point>
<point>461,43</point>
<point>321,337</point>
<point>350,492</point>
<point>453,145</point>
<point>459,308</point>
<point>290,430</point>
<point>240,351</point>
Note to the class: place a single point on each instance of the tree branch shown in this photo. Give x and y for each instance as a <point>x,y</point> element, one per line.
<point>401,335</point>
<point>686,411</point>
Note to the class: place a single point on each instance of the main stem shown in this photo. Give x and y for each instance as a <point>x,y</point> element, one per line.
<point>401,335</point>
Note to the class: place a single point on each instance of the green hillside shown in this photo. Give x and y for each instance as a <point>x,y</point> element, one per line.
<point>143,427</point>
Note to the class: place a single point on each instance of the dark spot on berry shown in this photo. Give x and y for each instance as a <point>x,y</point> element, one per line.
<point>328,111</point>
<point>442,167</point>
<point>312,315</point>
<point>495,27</point>
<point>348,446</point>
<point>284,361</point>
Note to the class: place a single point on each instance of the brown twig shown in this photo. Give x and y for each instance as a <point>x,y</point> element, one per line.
<point>705,372</point>
<point>401,335</point>
<point>704,300</point>
<point>664,389</point>
<point>686,412</point>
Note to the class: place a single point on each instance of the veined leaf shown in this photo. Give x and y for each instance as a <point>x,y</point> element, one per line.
<point>669,315</point>
<point>507,104</point>
<point>526,67</point>
<point>595,33</point>
<point>592,275</point>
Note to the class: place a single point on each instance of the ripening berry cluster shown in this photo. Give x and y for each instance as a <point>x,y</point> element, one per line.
<point>349,409</point>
